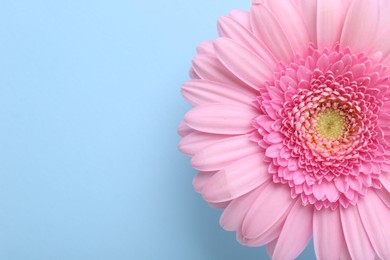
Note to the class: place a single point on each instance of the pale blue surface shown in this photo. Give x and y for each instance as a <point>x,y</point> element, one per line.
<point>89,105</point>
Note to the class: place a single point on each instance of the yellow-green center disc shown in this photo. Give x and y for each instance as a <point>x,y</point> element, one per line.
<point>330,124</point>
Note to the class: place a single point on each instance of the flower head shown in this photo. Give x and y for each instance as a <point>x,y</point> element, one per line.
<point>290,129</point>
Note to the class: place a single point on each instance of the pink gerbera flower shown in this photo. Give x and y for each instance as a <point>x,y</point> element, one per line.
<point>290,129</point>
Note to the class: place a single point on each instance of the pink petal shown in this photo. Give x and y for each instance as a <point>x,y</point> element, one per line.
<point>233,216</point>
<point>221,118</point>
<point>230,28</point>
<point>237,179</point>
<point>273,151</point>
<point>319,190</point>
<point>360,25</point>
<point>341,184</point>
<point>298,222</point>
<point>201,179</point>
<point>332,194</point>
<point>327,234</point>
<point>330,20</point>
<point>275,137</point>
<point>270,206</point>
<point>199,92</point>
<point>275,93</point>
<point>196,141</point>
<point>184,129</point>
<point>271,247</point>
<point>268,29</point>
<point>356,238</point>
<point>292,23</point>
<point>382,44</point>
<point>243,63</point>
<point>241,17</point>
<point>375,217</point>
<point>220,154</point>
<point>193,74</point>
<point>385,180</point>
<point>210,68</point>
<point>206,48</point>
<point>221,205</point>
<point>308,9</point>
<point>268,236</point>
<point>384,195</point>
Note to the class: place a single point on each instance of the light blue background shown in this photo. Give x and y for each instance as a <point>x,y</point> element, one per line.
<point>89,106</point>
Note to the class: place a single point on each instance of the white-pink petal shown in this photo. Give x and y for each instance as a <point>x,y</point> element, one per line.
<point>220,154</point>
<point>296,232</point>
<point>237,179</point>
<point>221,118</point>
<point>243,63</point>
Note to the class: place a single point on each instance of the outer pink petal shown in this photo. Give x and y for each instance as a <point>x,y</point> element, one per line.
<point>196,141</point>
<point>201,179</point>
<point>382,44</point>
<point>230,28</point>
<point>327,234</point>
<point>271,247</point>
<point>233,216</point>
<point>210,68</point>
<point>308,9</point>
<point>360,25</point>
<point>243,63</point>
<point>199,92</point>
<point>296,232</point>
<point>292,23</point>
<point>221,205</point>
<point>385,180</point>
<point>184,129</point>
<point>221,118</point>
<point>206,48</point>
<point>193,74</point>
<point>384,195</point>
<point>237,179</point>
<point>330,20</point>
<point>272,203</point>
<point>241,17</point>
<point>220,154</point>
<point>375,217</point>
<point>358,244</point>
<point>265,25</point>
<point>269,235</point>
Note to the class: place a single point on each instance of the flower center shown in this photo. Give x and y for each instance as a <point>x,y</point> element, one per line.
<point>328,109</point>
<point>330,124</point>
